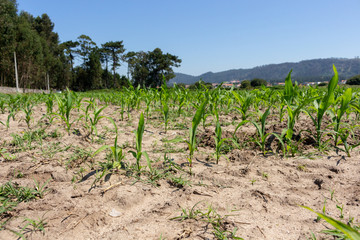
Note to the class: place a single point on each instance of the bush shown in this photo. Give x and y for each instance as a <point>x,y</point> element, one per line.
<point>355,80</point>
<point>256,82</point>
<point>245,84</point>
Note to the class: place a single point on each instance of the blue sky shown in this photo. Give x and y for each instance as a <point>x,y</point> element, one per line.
<point>213,35</point>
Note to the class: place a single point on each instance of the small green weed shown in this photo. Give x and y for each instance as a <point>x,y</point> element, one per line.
<point>209,215</point>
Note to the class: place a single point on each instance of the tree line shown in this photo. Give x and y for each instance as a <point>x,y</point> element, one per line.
<point>79,65</point>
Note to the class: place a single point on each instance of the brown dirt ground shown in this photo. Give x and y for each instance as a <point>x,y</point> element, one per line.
<point>260,196</point>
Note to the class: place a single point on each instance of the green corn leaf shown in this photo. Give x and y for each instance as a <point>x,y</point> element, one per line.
<point>263,119</point>
<point>329,98</point>
<point>175,140</point>
<point>258,128</point>
<point>218,130</point>
<point>346,229</point>
<point>140,132</point>
<point>148,161</point>
<point>240,124</point>
<point>195,122</point>
<point>289,89</point>
<point>102,148</point>
<point>345,100</point>
<point>133,153</point>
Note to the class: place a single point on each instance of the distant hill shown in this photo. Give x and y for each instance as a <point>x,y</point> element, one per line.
<point>304,71</point>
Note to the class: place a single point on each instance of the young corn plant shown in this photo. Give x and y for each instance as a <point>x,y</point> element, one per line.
<point>293,111</point>
<point>28,111</point>
<point>2,106</point>
<point>148,101</point>
<point>218,141</point>
<point>93,118</point>
<point>344,134</point>
<point>122,106</point>
<point>281,107</point>
<point>65,104</point>
<point>245,103</point>
<point>87,109</point>
<point>13,103</point>
<point>338,112</point>
<point>322,105</point>
<point>260,129</point>
<point>191,142</point>
<point>49,103</point>
<point>139,136</point>
<point>181,103</point>
<point>77,100</point>
<point>165,112</point>
<point>117,156</point>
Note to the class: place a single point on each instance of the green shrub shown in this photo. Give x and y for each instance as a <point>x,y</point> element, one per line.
<point>355,80</point>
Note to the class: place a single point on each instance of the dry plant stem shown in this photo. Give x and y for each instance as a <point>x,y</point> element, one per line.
<point>78,222</point>
<point>109,188</point>
<point>261,231</point>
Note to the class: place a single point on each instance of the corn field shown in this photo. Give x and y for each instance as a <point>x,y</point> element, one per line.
<point>127,145</point>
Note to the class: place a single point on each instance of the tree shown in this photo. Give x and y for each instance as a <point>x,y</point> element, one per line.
<point>245,84</point>
<point>51,65</point>
<point>355,80</point>
<point>149,68</point>
<point>86,45</point>
<point>115,50</point>
<point>29,51</point>
<point>69,49</point>
<point>256,82</point>
<point>8,18</point>
<point>130,58</point>
<point>94,71</point>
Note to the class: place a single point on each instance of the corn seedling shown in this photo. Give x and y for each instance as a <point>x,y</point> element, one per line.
<point>293,114</point>
<point>338,112</point>
<point>117,155</point>
<point>260,129</point>
<point>28,111</point>
<point>49,103</point>
<point>12,113</point>
<point>122,106</point>
<point>2,106</point>
<point>192,138</point>
<point>139,135</point>
<point>94,119</point>
<point>218,141</point>
<point>245,103</point>
<point>344,134</point>
<point>322,105</point>
<point>165,112</point>
<point>65,104</point>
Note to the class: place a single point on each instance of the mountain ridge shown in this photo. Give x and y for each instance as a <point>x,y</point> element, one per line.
<point>303,71</point>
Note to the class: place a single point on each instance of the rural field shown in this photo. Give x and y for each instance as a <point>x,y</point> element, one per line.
<point>175,163</point>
